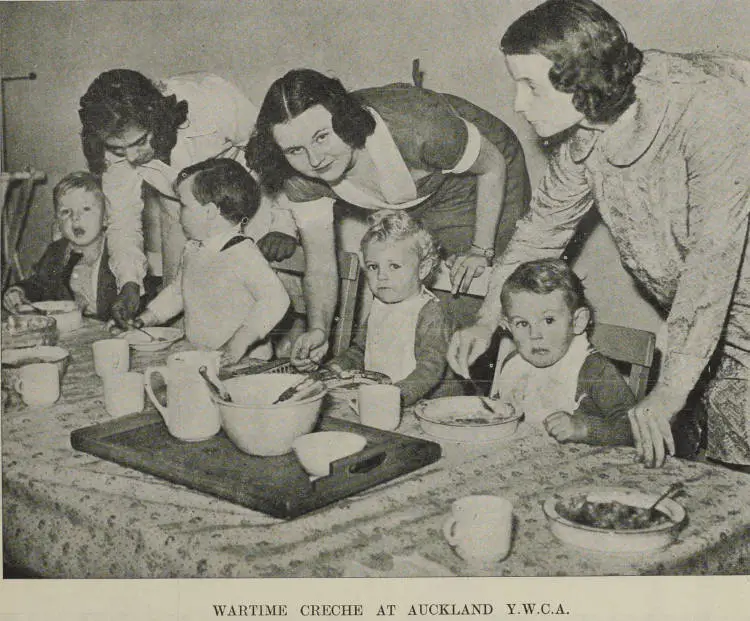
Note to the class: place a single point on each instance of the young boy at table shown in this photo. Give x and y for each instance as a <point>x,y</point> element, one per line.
<point>76,266</point>
<point>230,296</point>
<point>407,331</point>
<point>555,376</point>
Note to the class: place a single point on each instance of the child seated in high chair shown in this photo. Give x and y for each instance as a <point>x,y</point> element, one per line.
<point>407,331</point>
<point>555,377</point>
<point>76,266</point>
<point>230,296</point>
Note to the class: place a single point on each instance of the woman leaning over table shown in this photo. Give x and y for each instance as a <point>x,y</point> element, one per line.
<point>456,168</point>
<point>660,144</point>
<point>138,133</point>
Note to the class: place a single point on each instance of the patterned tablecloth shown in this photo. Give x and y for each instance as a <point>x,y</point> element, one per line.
<point>71,515</point>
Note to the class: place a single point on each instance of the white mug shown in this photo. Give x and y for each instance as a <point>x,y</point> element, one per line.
<point>378,405</point>
<point>480,528</point>
<point>123,393</point>
<point>190,414</point>
<point>38,384</point>
<point>111,356</point>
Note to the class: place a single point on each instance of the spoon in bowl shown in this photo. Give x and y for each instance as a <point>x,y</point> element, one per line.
<point>218,390</point>
<point>675,488</point>
<point>149,335</point>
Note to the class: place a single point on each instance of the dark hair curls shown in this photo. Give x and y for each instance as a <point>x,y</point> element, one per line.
<point>120,98</point>
<point>226,183</point>
<point>287,98</point>
<point>591,55</point>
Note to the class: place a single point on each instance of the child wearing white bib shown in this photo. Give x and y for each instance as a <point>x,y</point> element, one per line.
<point>555,377</point>
<point>407,332</point>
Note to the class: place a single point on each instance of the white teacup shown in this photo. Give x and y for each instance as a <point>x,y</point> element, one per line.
<point>123,393</point>
<point>111,356</point>
<point>378,405</point>
<point>38,384</point>
<point>480,528</point>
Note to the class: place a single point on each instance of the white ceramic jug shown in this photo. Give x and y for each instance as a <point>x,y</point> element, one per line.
<point>190,414</point>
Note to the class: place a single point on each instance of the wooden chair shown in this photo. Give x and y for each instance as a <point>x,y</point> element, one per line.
<point>630,346</point>
<point>16,202</point>
<point>349,278</point>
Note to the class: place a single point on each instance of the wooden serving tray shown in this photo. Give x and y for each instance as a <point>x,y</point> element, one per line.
<point>277,486</point>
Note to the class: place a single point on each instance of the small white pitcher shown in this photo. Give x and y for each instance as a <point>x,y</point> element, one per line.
<point>190,414</point>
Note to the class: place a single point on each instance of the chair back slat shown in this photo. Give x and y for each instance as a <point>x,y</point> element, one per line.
<point>349,279</point>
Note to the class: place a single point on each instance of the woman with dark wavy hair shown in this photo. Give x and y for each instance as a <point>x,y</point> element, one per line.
<point>456,169</point>
<point>659,144</point>
<point>136,132</point>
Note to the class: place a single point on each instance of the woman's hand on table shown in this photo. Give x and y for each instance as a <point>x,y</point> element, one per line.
<point>309,349</point>
<point>466,346</point>
<point>650,421</point>
<point>465,268</point>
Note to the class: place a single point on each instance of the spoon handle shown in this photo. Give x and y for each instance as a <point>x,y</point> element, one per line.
<point>677,486</point>
<point>216,390</point>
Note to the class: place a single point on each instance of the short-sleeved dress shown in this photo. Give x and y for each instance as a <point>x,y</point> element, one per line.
<point>418,129</point>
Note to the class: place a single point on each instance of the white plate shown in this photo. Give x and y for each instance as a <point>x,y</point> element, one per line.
<point>465,419</point>
<point>140,341</point>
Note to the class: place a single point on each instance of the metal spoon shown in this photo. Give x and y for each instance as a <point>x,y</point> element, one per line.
<point>218,390</point>
<point>487,403</point>
<point>676,487</point>
<point>149,335</point>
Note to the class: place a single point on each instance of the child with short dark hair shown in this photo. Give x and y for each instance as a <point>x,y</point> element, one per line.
<point>407,332</point>
<point>230,296</point>
<point>556,377</point>
<point>76,266</point>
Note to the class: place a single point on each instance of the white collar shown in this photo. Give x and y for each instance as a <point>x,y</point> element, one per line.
<point>216,242</point>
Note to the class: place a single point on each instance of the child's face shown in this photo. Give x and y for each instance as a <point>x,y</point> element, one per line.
<point>542,325</point>
<point>393,269</point>
<point>80,216</point>
<point>194,217</point>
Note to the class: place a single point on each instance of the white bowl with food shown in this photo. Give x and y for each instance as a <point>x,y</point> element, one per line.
<point>614,519</point>
<point>14,359</point>
<point>67,313</point>
<point>317,451</point>
<point>162,338</point>
<point>467,419</point>
<point>257,425</point>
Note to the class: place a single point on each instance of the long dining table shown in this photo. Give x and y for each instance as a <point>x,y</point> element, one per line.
<point>68,514</point>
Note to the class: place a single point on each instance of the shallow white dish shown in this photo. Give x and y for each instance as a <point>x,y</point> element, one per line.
<point>140,341</point>
<point>316,451</point>
<point>67,314</point>
<point>465,419</point>
<point>618,540</point>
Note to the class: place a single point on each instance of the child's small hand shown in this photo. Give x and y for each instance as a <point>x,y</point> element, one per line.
<point>13,299</point>
<point>564,427</point>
